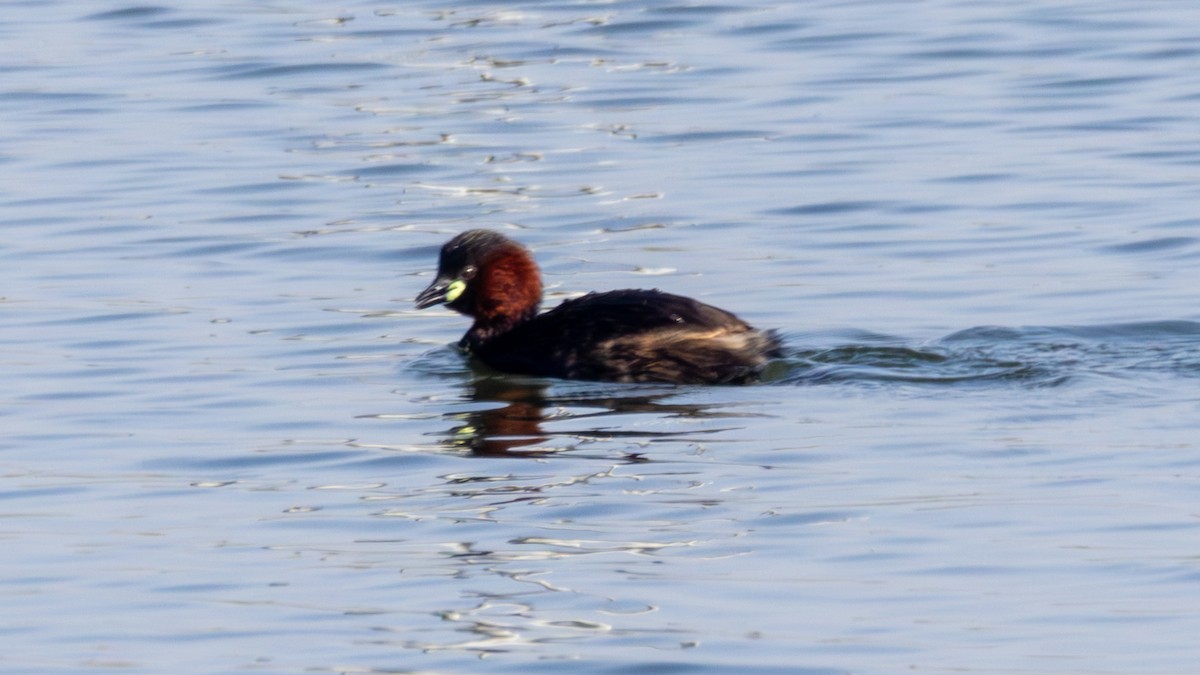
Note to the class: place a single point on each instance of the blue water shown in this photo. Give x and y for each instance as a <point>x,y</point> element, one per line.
<point>231,445</point>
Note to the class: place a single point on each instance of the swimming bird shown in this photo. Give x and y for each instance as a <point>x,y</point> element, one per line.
<point>616,336</point>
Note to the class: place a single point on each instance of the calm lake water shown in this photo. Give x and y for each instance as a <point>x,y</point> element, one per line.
<point>231,445</point>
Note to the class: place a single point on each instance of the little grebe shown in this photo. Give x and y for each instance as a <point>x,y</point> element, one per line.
<point>618,336</point>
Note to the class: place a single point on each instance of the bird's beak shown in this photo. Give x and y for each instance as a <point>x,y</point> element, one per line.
<point>435,294</point>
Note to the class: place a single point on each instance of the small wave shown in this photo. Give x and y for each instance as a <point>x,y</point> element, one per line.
<point>856,363</point>
<point>1039,356</point>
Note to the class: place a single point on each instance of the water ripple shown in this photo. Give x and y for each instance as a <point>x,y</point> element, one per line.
<point>1036,356</point>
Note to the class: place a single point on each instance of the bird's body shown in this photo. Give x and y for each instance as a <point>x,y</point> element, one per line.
<point>618,336</point>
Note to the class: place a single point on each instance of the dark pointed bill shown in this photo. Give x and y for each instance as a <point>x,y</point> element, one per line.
<point>434,295</point>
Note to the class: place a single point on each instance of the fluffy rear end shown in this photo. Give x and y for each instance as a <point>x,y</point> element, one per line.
<point>718,356</point>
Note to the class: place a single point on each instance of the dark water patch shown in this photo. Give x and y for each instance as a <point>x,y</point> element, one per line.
<point>698,10</point>
<point>807,100</point>
<point>709,136</point>
<point>135,12</point>
<point>254,218</point>
<point>1153,245</point>
<point>151,17</point>
<point>37,221</point>
<point>93,372</point>
<point>27,492</point>
<point>212,250</point>
<point>50,96</point>
<point>300,70</point>
<point>226,106</point>
<point>828,208</point>
<point>1063,18</point>
<point>1083,86</point>
<point>616,101</point>
<point>1140,123</point>
<point>108,344</point>
<point>107,163</point>
<point>941,124</point>
<point>317,252</point>
<point>1079,207</point>
<point>958,54</point>
<point>828,40</point>
<point>177,24</point>
<point>686,667</point>
<point>253,188</point>
<point>255,460</point>
<point>922,207</point>
<point>106,318</point>
<point>1091,126</point>
<point>385,33</point>
<point>557,52</point>
<point>1185,223</point>
<point>976,178</point>
<point>807,139</point>
<point>823,172</point>
<point>1176,157</point>
<point>383,170</point>
<point>1166,54</point>
<point>902,78</point>
<point>764,29</point>
<point>74,395</point>
<point>870,233</point>
<point>636,28</point>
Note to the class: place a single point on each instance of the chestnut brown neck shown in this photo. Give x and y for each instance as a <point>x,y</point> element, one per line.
<point>508,291</point>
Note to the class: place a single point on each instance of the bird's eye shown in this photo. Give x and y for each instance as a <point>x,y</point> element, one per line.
<point>468,273</point>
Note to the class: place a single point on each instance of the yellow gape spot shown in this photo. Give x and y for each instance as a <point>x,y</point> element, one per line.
<point>455,289</point>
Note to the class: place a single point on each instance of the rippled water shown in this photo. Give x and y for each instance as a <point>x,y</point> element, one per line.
<point>231,445</point>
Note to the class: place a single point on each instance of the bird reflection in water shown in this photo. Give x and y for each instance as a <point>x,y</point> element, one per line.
<point>515,429</point>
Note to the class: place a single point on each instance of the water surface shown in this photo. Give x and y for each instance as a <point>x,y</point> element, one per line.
<point>231,445</point>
